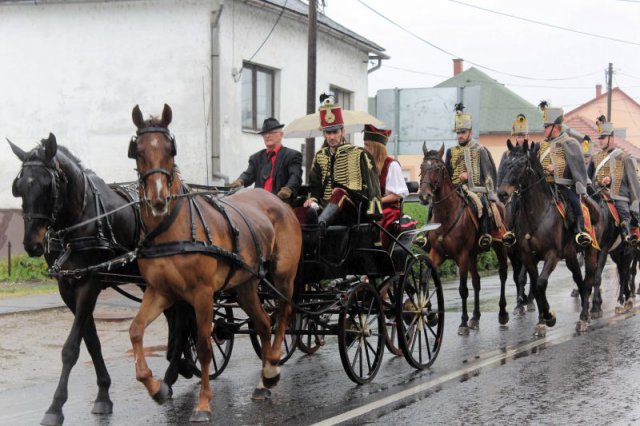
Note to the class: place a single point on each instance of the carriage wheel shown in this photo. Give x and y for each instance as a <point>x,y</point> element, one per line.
<point>316,326</point>
<point>290,340</point>
<point>221,343</point>
<point>420,305</point>
<point>361,334</point>
<point>388,298</point>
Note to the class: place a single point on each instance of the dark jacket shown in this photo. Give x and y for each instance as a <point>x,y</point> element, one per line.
<point>287,170</point>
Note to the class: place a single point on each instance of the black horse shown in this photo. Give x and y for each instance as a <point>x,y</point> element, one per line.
<point>622,255</point>
<point>57,193</point>
<point>541,234</point>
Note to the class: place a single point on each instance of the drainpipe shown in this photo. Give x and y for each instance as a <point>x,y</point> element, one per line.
<point>215,97</point>
<point>377,66</point>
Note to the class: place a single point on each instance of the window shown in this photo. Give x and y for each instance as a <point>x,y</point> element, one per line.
<point>343,97</point>
<point>257,95</point>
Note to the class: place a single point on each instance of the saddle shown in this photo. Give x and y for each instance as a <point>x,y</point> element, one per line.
<point>496,224</point>
<point>611,205</point>
<point>569,219</point>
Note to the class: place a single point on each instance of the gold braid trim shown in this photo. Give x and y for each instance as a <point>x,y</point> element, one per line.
<point>604,170</point>
<point>346,168</point>
<point>475,167</point>
<point>617,174</point>
<point>323,159</point>
<point>457,163</point>
<point>544,145</point>
<point>559,160</point>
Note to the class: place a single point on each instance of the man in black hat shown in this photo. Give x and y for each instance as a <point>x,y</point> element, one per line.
<point>276,168</point>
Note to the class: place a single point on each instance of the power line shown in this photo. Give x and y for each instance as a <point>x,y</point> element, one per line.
<point>546,24</point>
<point>471,62</point>
<point>415,71</point>
<point>239,74</point>
<point>628,75</point>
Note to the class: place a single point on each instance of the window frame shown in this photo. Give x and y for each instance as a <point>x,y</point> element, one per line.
<point>271,73</point>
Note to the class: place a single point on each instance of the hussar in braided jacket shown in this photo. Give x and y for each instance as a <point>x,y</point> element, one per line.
<point>612,168</point>
<point>562,159</point>
<point>471,167</point>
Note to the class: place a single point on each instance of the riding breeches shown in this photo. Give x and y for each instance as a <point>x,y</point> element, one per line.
<point>573,199</point>
<point>623,210</point>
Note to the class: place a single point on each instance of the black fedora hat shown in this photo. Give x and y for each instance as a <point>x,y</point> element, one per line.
<point>270,124</point>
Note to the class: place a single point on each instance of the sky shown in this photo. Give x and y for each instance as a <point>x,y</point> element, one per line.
<point>560,66</point>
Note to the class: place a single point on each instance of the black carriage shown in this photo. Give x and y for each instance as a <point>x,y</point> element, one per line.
<point>350,287</point>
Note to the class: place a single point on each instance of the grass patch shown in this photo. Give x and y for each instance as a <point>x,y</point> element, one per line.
<point>28,276</point>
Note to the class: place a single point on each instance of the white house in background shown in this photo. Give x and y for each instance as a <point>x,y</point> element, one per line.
<point>77,68</point>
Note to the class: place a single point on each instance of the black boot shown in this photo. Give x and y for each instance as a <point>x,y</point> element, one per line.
<point>327,217</point>
<point>582,237</point>
<point>625,232</point>
<point>485,239</point>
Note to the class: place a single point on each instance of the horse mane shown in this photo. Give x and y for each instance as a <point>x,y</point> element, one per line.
<point>153,121</point>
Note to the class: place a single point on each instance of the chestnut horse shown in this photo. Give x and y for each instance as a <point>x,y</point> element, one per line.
<point>457,237</point>
<point>58,192</point>
<point>231,243</point>
<point>541,234</point>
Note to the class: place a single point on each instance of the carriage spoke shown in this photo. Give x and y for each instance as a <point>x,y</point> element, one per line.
<point>426,338</point>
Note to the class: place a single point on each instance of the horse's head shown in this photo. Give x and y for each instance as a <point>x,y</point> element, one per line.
<point>432,173</point>
<point>154,149</point>
<point>520,168</point>
<point>40,184</point>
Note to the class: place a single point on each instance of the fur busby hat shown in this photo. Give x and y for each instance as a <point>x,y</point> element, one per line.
<point>605,128</point>
<point>520,126</point>
<point>373,134</point>
<point>330,114</point>
<point>551,115</point>
<point>463,119</point>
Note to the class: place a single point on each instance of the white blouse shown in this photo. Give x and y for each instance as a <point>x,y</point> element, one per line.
<point>395,181</point>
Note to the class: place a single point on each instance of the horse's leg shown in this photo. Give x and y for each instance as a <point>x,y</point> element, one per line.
<point>463,267</point>
<point>546,318</point>
<point>474,323</point>
<point>178,342</point>
<point>203,306</point>
<point>102,404</point>
<point>584,285</point>
<point>596,304</point>
<point>250,303</point>
<point>271,368</point>
<point>517,267</point>
<point>503,271</point>
<point>82,303</point>
<point>531,297</point>
<point>153,303</point>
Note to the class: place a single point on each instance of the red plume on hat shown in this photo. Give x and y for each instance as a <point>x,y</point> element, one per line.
<point>371,133</point>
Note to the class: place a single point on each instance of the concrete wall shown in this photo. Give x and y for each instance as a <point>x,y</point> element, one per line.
<point>77,69</point>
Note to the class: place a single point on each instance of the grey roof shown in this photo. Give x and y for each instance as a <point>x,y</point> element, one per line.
<point>302,9</point>
<point>499,106</point>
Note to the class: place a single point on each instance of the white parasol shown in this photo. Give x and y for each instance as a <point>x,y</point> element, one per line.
<point>309,125</point>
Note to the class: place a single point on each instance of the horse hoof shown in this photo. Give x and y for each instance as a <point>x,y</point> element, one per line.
<point>575,292</point>
<point>540,330</point>
<point>102,407</point>
<point>163,394</point>
<point>503,318</point>
<point>619,310</point>
<point>582,326</point>
<point>261,394</point>
<point>628,305</point>
<point>474,324</point>
<point>463,331</point>
<point>531,307</point>
<point>52,419</point>
<point>598,314</point>
<point>200,417</point>
<point>551,321</point>
<point>270,382</point>
<point>187,368</point>
<point>519,311</point>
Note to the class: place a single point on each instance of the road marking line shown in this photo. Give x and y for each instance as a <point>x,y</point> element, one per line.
<point>423,387</point>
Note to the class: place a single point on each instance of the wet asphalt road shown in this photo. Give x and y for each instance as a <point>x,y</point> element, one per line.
<point>497,375</point>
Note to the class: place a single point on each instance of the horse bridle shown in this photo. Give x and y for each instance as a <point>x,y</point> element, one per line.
<point>426,181</point>
<point>57,177</point>
<point>133,145</point>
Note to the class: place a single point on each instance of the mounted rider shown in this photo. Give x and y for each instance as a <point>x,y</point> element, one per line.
<point>614,171</point>
<point>343,179</point>
<point>472,169</point>
<point>519,129</point>
<point>561,158</point>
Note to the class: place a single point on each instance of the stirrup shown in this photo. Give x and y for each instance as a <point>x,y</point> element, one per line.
<point>583,239</point>
<point>509,239</point>
<point>485,241</point>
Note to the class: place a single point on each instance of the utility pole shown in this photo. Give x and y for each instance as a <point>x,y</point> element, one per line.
<point>609,88</point>
<point>310,144</point>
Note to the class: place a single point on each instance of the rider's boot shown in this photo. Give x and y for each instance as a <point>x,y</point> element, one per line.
<point>582,237</point>
<point>485,238</point>
<point>327,217</point>
<point>625,232</point>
